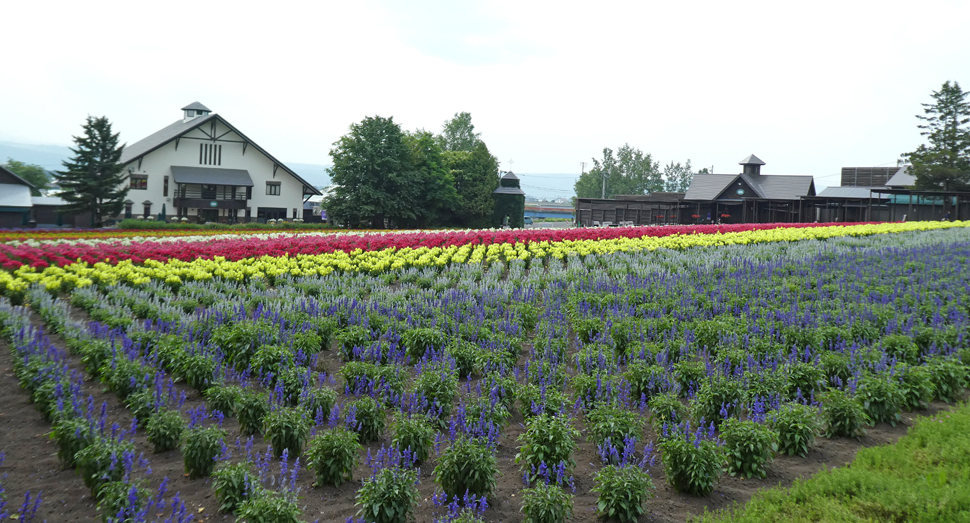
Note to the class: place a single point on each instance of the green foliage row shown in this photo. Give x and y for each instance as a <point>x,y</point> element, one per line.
<point>924,477</point>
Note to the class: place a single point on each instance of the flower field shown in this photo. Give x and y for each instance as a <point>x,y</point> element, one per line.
<point>533,375</point>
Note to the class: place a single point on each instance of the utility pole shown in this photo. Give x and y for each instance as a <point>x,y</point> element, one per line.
<point>604,183</point>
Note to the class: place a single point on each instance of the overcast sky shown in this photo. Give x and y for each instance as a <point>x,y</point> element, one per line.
<point>809,87</point>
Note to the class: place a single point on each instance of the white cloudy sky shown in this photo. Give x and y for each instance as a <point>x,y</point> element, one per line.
<point>809,87</point>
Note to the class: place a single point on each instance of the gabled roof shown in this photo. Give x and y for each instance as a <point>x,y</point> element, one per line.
<point>510,176</point>
<point>146,145</point>
<point>768,187</point>
<point>782,187</point>
<point>708,186</point>
<point>509,190</point>
<point>10,176</point>
<point>751,160</point>
<point>902,178</point>
<point>196,106</point>
<point>848,192</point>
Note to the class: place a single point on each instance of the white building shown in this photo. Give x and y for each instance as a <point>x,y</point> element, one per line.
<point>204,169</point>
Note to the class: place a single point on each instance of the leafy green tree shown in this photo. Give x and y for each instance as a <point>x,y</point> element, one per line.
<point>677,177</point>
<point>475,176</point>
<point>92,181</point>
<point>630,171</point>
<point>34,174</point>
<point>433,188</point>
<point>458,134</point>
<point>945,163</point>
<point>371,174</point>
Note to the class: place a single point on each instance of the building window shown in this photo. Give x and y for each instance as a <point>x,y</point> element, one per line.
<point>138,181</point>
<point>210,154</point>
<point>148,209</point>
<point>165,186</point>
<point>128,210</point>
<point>273,188</point>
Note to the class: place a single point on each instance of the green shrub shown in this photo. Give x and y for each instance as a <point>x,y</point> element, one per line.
<point>796,425</point>
<point>613,423</point>
<point>545,503</point>
<point>916,385</point>
<point>270,359</point>
<point>269,508</point>
<point>881,398</point>
<point>414,434</point>
<point>748,447</point>
<point>350,338</point>
<point>125,376</point>
<point>807,378</point>
<point>843,415</point>
<point>198,371</point>
<point>439,387</point>
<point>200,449</point>
<point>369,418</point>
<point>688,375</point>
<point>836,365</point>
<point>165,429</point>
<point>121,501</point>
<point>319,399</point>
<point>549,440</point>
<point>235,483</point>
<point>535,400</point>
<point>718,399</point>
<point>948,378</point>
<point>645,380</point>
<point>901,347</point>
<point>691,469</point>
<point>333,455</point>
<point>389,496</point>
<point>223,398</point>
<point>622,491</point>
<point>667,409</point>
<point>591,390</point>
<point>418,341</point>
<point>71,436</point>
<point>251,407</point>
<point>98,462</point>
<point>286,428</point>
<point>466,465</point>
<point>308,342</point>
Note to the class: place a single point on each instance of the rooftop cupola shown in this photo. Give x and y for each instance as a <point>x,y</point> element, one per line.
<point>752,165</point>
<point>194,110</point>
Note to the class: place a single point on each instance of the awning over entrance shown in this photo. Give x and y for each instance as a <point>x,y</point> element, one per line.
<point>212,176</point>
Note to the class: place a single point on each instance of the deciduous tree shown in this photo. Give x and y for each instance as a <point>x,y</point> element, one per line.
<point>677,177</point>
<point>92,180</point>
<point>630,171</point>
<point>475,176</point>
<point>34,174</point>
<point>458,134</point>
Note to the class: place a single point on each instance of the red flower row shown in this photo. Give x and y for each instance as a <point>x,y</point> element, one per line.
<point>240,248</point>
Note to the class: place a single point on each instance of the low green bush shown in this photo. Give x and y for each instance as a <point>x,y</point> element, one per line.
<point>549,440</point>
<point>466,465</point>
<point>545,503</point>
<point>621,492</point>
<point>414,434</point>
<point>796,425</point>
<point>286,428</point>
<point>165,429</point>
<point>269,508</point>
<point>748,447</point>
<point>389,496</point>
<point>369,418</point>
<point>200,449</point>
<point>234,483</point>
<point>333,454</point>
<point>843,415</point>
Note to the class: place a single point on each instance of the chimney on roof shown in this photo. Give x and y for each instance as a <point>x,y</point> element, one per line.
<point>752,165</point>
<point>194,110</point>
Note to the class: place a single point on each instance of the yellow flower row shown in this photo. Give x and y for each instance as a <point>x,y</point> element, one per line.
<point>175,272</point>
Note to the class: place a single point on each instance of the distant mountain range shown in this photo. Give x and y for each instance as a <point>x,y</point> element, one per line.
<point>544,185</point>
<point>50,157</point>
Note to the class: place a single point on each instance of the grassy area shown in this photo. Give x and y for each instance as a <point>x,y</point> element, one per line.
<point>924,477</point>
<point>148,224</point>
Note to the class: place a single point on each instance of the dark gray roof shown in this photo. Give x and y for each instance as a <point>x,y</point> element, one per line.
<point>781,187</point>
<point>15,178</point>
<point>196,106</point>
<point>902,178</point>
<point>751,160</point>
<point>212,176</point>
<point>848,192</point>
<point>179,128</point>
<point>770,187</point>
<point>509,190</point>
<point>510,176</point>
<point>167,134</point>
<point>708,186</point>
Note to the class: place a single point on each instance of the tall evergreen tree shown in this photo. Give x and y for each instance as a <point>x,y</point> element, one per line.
<point>92,181</point>
<point>945,163</point>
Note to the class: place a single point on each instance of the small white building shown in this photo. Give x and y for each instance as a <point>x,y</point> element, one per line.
<point>204,169</point>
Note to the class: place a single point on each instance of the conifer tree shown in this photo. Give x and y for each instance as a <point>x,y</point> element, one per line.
<point>92,181</point>
<point>945,163</point>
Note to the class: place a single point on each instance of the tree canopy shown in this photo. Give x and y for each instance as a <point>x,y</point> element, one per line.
<point>677,177</point>
<point>475,175</point>
<point>34,174</point>
<point>92,180</point>
<point>630,171</point>
<point>458,134</point>
<point>943,164</point>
